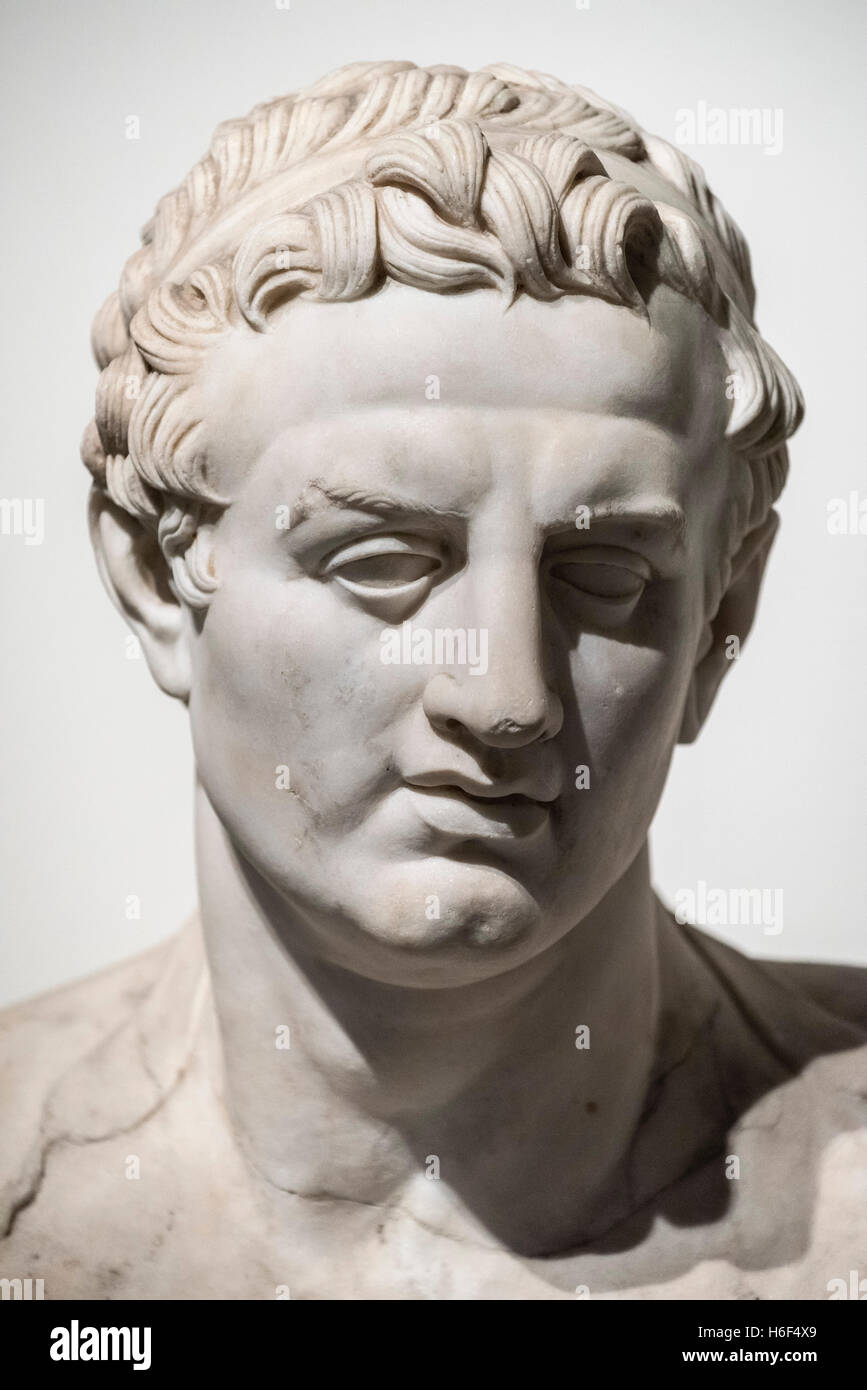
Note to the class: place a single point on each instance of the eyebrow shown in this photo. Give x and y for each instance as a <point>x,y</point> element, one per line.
<point>317,495</point>
<point>667,517</point>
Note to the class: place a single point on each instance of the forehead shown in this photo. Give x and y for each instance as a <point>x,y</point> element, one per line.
<point>405,382</point>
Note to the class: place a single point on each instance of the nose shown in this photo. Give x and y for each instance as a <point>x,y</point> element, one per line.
<point>511,704</point>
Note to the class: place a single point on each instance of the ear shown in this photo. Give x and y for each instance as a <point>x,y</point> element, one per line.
<point>134,571</point>
<point>734,618</point>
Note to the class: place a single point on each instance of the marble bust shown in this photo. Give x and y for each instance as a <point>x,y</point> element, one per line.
<point>434,465</point>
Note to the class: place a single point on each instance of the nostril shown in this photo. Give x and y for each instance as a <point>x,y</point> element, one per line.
<point>452,725</point>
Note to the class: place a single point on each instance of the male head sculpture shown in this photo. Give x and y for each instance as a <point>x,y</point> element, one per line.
<point>434,464</point>
<point>545,223</point>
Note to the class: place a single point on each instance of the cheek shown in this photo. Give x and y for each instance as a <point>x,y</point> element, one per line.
<point>630,707</point>
<point>287,676</point>
<point>626,715</point>
<point>630,694</point>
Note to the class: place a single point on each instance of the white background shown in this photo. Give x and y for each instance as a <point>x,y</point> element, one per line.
<point>96,770</point>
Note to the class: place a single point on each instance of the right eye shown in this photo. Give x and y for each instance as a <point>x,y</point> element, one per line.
<point>384,564</point>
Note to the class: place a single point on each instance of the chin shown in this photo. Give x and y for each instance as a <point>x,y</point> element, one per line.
<point>439,921</point>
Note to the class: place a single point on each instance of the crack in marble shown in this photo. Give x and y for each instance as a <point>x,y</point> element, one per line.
<point>46,1146</point>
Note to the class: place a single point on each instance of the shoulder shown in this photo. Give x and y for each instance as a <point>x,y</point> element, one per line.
<point>74,1062</point>
<point>76,1014</point>
<point>839,990</point>
<point>799,1007</point>
<point>44,1036</point>
<point>790,1050</point>
<point>783,1068</point>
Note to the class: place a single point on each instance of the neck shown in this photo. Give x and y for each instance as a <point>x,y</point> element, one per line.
<point>381,1089</point>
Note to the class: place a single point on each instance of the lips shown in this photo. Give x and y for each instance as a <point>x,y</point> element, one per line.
<point>537,788</point>
<point>455,812</point>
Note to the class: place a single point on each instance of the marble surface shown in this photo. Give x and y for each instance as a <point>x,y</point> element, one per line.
<point>434,462</point>
<point>128,1064</point>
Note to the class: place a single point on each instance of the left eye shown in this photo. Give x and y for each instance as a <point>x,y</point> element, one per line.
<point>605,581</point>
<point>384,563</point>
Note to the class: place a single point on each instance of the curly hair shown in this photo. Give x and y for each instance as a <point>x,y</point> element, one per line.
<point>442,180</point>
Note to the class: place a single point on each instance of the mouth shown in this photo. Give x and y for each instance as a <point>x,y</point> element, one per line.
<point>485,814</point>
<point>488,800</point>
